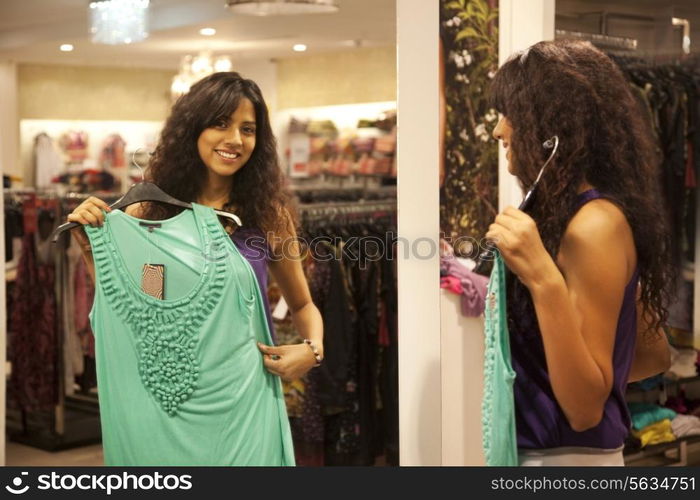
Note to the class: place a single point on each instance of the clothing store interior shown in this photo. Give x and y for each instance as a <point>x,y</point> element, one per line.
<point>88,87</point>
<point>86,98</point>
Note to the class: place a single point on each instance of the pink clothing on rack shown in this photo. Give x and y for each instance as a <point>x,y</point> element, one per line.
<point>451,283</point>
<point>473,285</point>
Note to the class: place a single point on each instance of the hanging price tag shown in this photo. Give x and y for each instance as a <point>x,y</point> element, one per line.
<point>281,309</point>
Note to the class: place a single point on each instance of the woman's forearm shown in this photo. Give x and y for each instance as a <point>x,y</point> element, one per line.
<point>309,324</point>
<point>578,382</point>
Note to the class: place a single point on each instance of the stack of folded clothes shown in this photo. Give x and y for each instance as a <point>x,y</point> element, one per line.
<point>651,423</point>
<point>685,425</point>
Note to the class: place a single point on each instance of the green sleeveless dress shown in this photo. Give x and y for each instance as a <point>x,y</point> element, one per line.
<point>180,379</point>
<point>498,406</point>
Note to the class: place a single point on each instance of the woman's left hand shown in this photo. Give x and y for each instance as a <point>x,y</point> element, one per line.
<point>289,362</point>
<point>518,240</point>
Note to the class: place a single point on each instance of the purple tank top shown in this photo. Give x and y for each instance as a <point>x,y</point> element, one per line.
<point>253,246</point>
<point>540,421</point>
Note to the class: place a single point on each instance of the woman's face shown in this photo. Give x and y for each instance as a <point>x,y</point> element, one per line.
<point>227,146</point>
<point>503,132</point>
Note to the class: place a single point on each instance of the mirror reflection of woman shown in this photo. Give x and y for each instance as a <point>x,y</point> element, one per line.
<point>590,259</point>
<point>217,149</point>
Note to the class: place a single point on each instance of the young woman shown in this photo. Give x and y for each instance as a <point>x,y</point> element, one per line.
<point>217,150</point>
<point>589,262</point>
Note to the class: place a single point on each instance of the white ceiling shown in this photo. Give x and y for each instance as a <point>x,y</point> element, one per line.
<point>32,30</point>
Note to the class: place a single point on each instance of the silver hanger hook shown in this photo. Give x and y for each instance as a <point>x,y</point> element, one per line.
<point>553,144</point>
<point>133,162</point>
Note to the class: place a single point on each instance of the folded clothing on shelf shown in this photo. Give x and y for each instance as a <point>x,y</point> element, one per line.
<point>660,432</point>
<point>646,414</point>
<point>683,363</point>
<point>685,425</point>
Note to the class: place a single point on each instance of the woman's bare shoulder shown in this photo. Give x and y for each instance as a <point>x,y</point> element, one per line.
<point>599,229</point>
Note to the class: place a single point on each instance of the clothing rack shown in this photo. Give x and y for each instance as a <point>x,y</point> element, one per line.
<point>74,420</point>
<point>331,194</point>
<point>330,213</point>
<point>343,208</point>
<point>354,393</point>
<point>603,41</point>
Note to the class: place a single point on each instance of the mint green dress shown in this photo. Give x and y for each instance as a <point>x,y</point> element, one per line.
<point>498,407</point>
<point>180,379</point>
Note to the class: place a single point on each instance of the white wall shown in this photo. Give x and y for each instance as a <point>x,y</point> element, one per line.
<point>462,361</point>
<point>420,390</point>
<point>264,73</point>
<point>520,24</point>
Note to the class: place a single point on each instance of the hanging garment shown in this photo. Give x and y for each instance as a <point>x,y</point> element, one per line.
<point>32,341</point>
<point>84,293</point>
<point>73,362</point>
<point>181,380</point>
<point>498,408</point>
<point>47,161</point>
<point>472,285</point>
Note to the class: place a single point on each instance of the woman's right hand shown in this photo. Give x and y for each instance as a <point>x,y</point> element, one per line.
<point>88,212</point>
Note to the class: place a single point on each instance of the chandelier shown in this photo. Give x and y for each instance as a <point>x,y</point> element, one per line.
<point>194,68</point>
<point>114,22</point>
<point>281,7</point>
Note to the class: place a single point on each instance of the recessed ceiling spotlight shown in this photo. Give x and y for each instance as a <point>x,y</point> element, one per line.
<point>66,47</point>
<point>299,47</point>
<point>207,32</point>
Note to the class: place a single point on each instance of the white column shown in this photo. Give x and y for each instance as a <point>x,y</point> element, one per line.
<point>462,383</point>
<point>9,141</point>
<point>420,424</point>
<point>520,24</point>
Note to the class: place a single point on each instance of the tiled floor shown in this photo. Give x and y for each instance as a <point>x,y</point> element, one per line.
<point>20,455</point>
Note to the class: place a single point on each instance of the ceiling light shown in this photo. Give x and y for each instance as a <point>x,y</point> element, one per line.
<point>115,22</point>
<point>281,7</point>
<point>66,47</point>
<point>299,47</point>
<point>207,31</point>
<point>194,68</point>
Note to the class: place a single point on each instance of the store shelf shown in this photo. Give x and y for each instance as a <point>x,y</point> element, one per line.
<point>666,381</point>
<point>682,380</point>
<point>681,445</point>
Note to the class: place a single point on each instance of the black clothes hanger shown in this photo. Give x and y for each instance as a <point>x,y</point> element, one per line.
<point>144,191</point>
<point>140,192</point>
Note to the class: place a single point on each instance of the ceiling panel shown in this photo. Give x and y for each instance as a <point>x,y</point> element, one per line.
<point>32,30</point>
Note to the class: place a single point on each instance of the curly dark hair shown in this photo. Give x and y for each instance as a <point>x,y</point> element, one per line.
<point>571,89</point>
<point>258,195</point>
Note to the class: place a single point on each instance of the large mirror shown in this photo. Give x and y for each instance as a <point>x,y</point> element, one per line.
<point>135,342</point>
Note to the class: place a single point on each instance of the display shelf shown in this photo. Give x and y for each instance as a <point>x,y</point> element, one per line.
<point>682,380</point>
<point>666,381</point>
<point>680,445</point>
